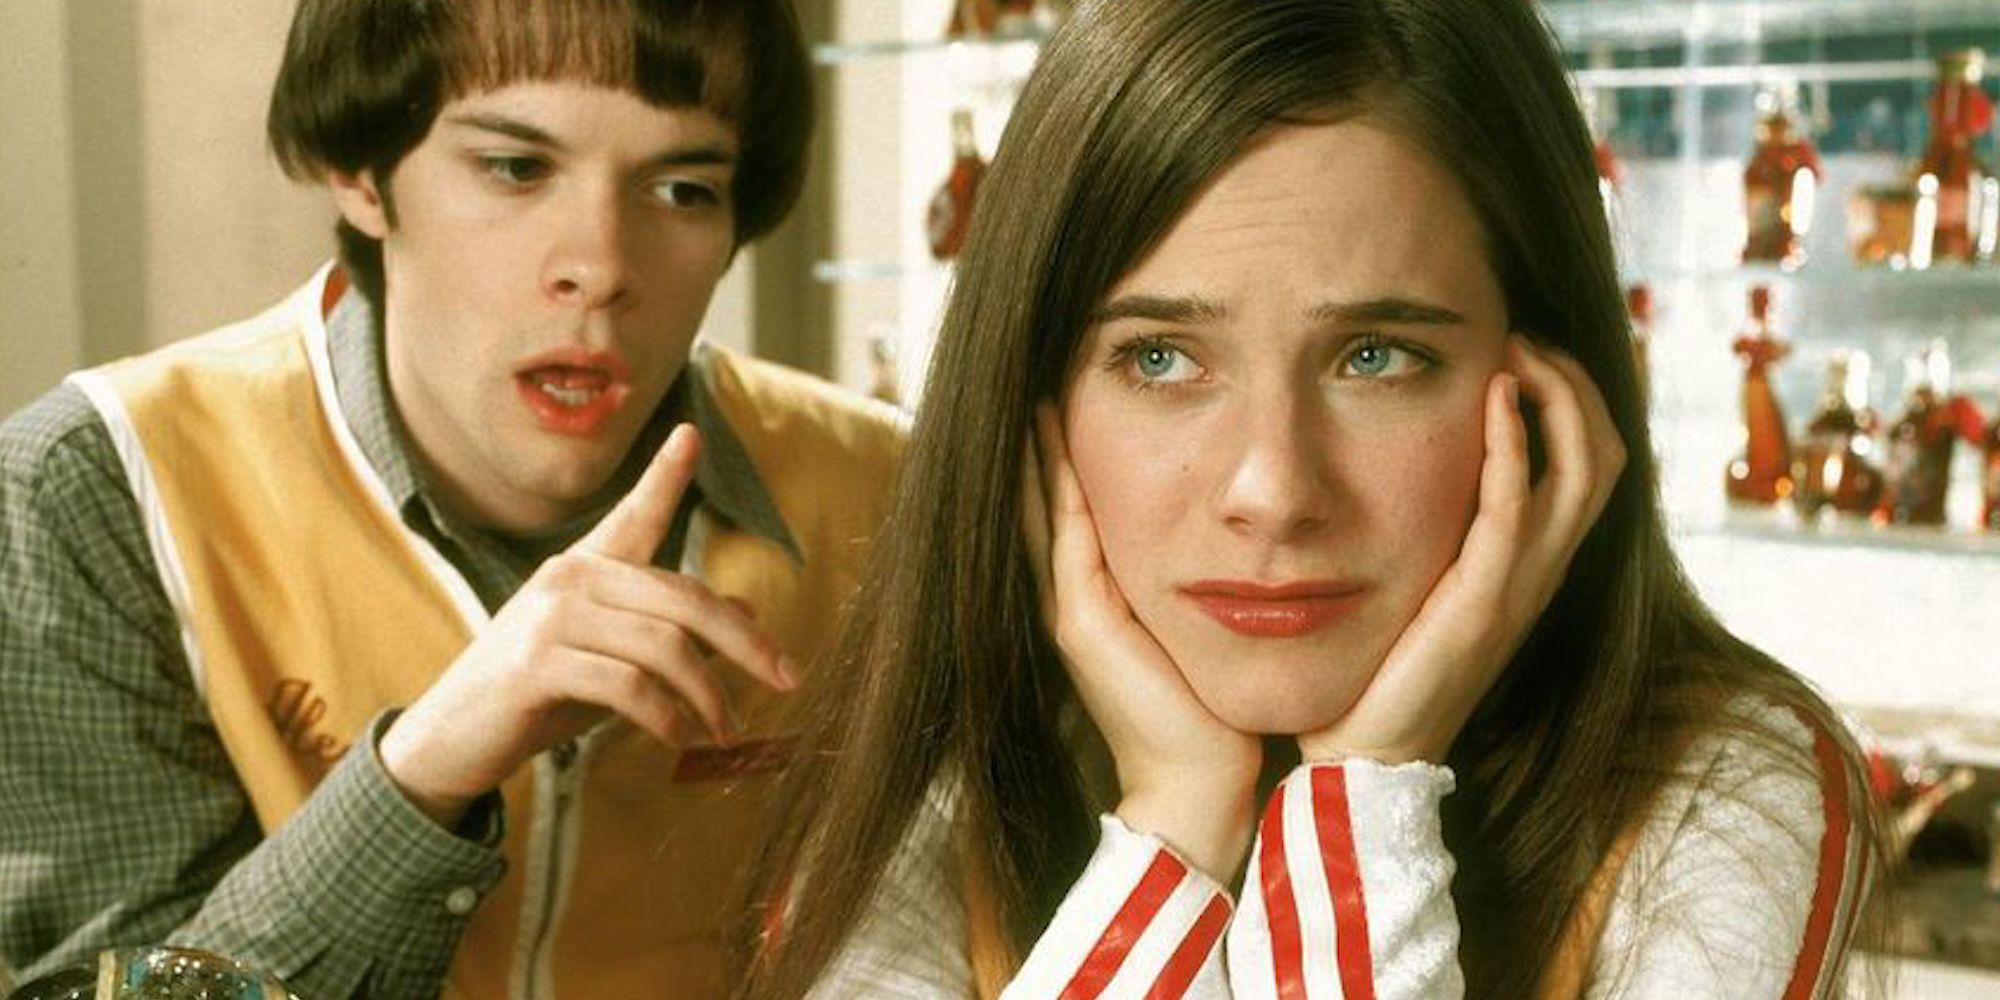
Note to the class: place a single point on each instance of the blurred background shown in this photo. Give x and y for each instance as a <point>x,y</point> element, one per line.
<point>1802,192</point>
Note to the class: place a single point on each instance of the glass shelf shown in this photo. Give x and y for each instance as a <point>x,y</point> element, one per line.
<point>1755,74</point>
<point>1781,524</point>
<point>1634,23</point>
<point>836,54</point>
<point>841,272</point>
<point>1949,737</point>
<point>1945,278</point>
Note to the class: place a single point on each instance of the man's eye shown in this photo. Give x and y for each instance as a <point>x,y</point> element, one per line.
<point>515,170</point>
<point>687,194</point>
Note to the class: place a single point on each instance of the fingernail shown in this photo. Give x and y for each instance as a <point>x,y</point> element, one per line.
<point>677,441</point>
<point>788,671</point>
<point>1513,392</point>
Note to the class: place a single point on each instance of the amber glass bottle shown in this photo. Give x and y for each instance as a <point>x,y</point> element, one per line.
<point>1960,114</point>
<point>1763,473</point>
<point>951,207</point>
<point>972,19</point>
<point>1779,186</point>
<point>1834,468</point>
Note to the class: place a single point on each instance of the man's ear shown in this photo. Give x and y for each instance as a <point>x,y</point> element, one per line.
<point>360,202</point>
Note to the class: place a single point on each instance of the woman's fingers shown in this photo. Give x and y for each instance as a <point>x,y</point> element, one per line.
<point>1035,523</point>
<point>1585,454</point>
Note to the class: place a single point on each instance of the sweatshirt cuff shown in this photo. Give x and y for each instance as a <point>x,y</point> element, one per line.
<point>1141,921</point>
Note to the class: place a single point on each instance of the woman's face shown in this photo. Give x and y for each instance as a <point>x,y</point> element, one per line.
<point>1276,417</point>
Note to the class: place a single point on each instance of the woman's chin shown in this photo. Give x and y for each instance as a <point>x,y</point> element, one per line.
<point>1270,710</point>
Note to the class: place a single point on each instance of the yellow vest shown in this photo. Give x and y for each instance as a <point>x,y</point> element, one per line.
<point>307,608</point>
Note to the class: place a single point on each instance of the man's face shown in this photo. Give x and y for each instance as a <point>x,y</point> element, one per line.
<point>555,246</point>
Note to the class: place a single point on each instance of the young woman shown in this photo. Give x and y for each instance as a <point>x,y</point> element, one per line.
<point>1338,563</point>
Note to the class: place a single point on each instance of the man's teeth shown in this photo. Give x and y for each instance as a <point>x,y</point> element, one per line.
<point>567,396</point>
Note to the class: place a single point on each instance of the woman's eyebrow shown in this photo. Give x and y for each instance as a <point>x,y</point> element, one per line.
<point>1385,310</point>
<point>1187,310</point>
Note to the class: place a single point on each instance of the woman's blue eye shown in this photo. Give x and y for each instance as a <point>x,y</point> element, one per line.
<point>1373,359</point>
<point>1156,360</point>
<point>1382,360</point>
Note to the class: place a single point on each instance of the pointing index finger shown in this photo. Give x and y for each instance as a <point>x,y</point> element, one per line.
<point>638,525</point>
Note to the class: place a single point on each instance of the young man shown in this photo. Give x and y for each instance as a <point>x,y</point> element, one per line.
<point>395,641</point>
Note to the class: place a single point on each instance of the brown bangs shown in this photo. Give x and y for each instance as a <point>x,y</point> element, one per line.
<point>671,55</point>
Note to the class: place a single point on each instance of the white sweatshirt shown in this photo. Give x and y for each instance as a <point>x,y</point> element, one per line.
<point>1740,886</point>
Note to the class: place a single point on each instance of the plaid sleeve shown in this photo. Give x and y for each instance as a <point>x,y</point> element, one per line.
<point>121,819</point>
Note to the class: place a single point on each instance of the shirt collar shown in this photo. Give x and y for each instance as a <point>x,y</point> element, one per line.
<point>726,480</point>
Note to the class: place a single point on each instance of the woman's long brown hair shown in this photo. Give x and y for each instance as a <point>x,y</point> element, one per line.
<point>944,666</point>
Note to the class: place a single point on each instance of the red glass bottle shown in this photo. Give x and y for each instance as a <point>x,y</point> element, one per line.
<point>1779,186</point>
<point>1639,307</point>
<point>1763,473</point>
<point>1834,467</point>
<point>951,207</point>
<point>1916,462</point>
<point>1989,512</point>
<point>1960,114</point>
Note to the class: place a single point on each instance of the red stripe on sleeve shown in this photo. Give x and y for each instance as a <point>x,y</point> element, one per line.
<point>1281,910</point>
<point>1126,928</point>
<point>1832,887</point>
<point>1343,881</point>
<point>1187,959</point>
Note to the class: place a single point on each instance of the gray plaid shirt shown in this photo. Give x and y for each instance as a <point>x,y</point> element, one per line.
<point>121,818</point>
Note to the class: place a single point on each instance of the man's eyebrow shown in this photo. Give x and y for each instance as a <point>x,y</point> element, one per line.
<point>1190,310</point>
<point>1390,309</point>
<point>706,154</point>
<point>513,128</point>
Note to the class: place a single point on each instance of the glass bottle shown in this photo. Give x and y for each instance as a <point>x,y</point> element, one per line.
<point>951,207</point>
<point>1834,467</point>
<point>885,377</point>
<point>1989,511</point>
<point>1015,18</point>
<point>972,19</point>
<point>1639,307</point>
<point>1916,462</point>
<point>154,974</point>
<point>1779,184</point>
<point>1763,473</point>
<point>1963,186</point>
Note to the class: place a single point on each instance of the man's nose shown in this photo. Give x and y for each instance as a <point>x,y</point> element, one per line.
<point>587,266</point>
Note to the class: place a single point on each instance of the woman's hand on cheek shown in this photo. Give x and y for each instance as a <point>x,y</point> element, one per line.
<point>1184,776</point>
<point>1512,562</point>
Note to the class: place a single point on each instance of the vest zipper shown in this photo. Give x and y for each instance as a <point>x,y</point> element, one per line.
<point>564,774</point>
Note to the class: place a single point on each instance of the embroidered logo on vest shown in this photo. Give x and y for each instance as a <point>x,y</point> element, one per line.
<point>296,710</point>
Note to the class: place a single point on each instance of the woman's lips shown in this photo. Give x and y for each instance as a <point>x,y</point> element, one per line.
<point>1267,611</point>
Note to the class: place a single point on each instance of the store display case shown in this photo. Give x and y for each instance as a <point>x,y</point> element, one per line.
<point>1898,623</point>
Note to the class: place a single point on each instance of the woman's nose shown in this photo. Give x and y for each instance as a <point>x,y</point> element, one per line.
<point>1278,485</point>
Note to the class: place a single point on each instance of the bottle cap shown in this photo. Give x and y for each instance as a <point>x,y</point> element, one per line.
<point>1639,302</point>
